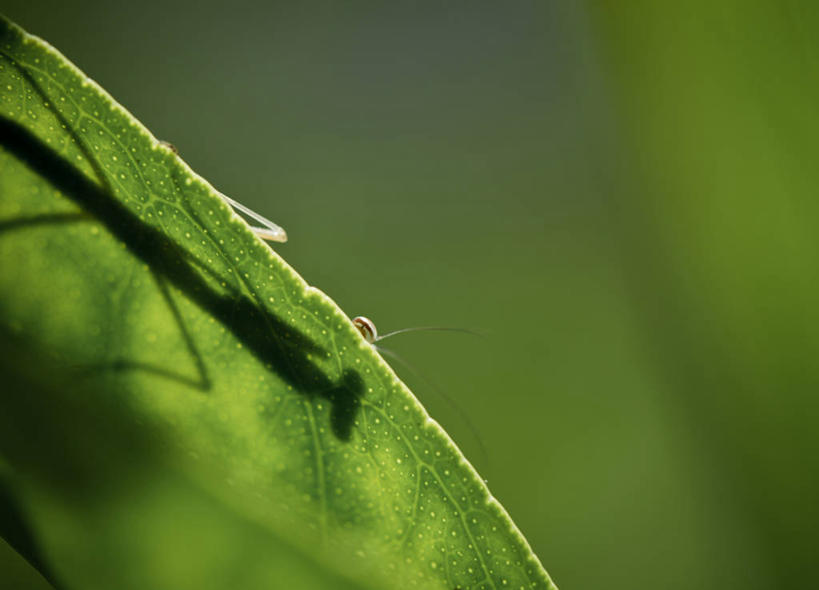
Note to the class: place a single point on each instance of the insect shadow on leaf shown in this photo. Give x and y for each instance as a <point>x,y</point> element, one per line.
<point>279,345</point>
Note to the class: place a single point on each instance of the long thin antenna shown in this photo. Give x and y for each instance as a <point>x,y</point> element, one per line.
<point>428,329</point>
<point>450,402</point>
<point>270,232</point>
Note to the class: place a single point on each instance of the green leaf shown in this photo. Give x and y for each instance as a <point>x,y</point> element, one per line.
<point>181,409</point>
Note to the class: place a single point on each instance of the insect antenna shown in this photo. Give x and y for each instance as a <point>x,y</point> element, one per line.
<point>450,402</point>
<point>429,329</point>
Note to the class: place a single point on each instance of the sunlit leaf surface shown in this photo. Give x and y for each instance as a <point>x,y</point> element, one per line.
<point>182,409</point>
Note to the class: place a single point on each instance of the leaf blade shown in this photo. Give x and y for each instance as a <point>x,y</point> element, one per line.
<point>231,340</point>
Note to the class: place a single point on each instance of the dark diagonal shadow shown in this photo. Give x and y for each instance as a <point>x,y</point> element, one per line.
<point>201,381</point>
<point>269,338</point>
<point>15,530</point>
<point>44,219</point>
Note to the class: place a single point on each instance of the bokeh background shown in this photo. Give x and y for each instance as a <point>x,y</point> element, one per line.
<point>622,196</point>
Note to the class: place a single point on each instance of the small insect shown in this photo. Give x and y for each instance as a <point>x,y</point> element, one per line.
<point>367,328</point>
<point>270,232</point>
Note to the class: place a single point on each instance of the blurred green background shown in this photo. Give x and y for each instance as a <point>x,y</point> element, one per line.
<point>621,195</point>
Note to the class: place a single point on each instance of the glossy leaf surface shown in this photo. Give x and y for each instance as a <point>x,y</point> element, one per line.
<point>183,410</point>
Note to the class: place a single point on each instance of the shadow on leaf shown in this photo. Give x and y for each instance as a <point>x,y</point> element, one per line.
<point>275,343</point>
